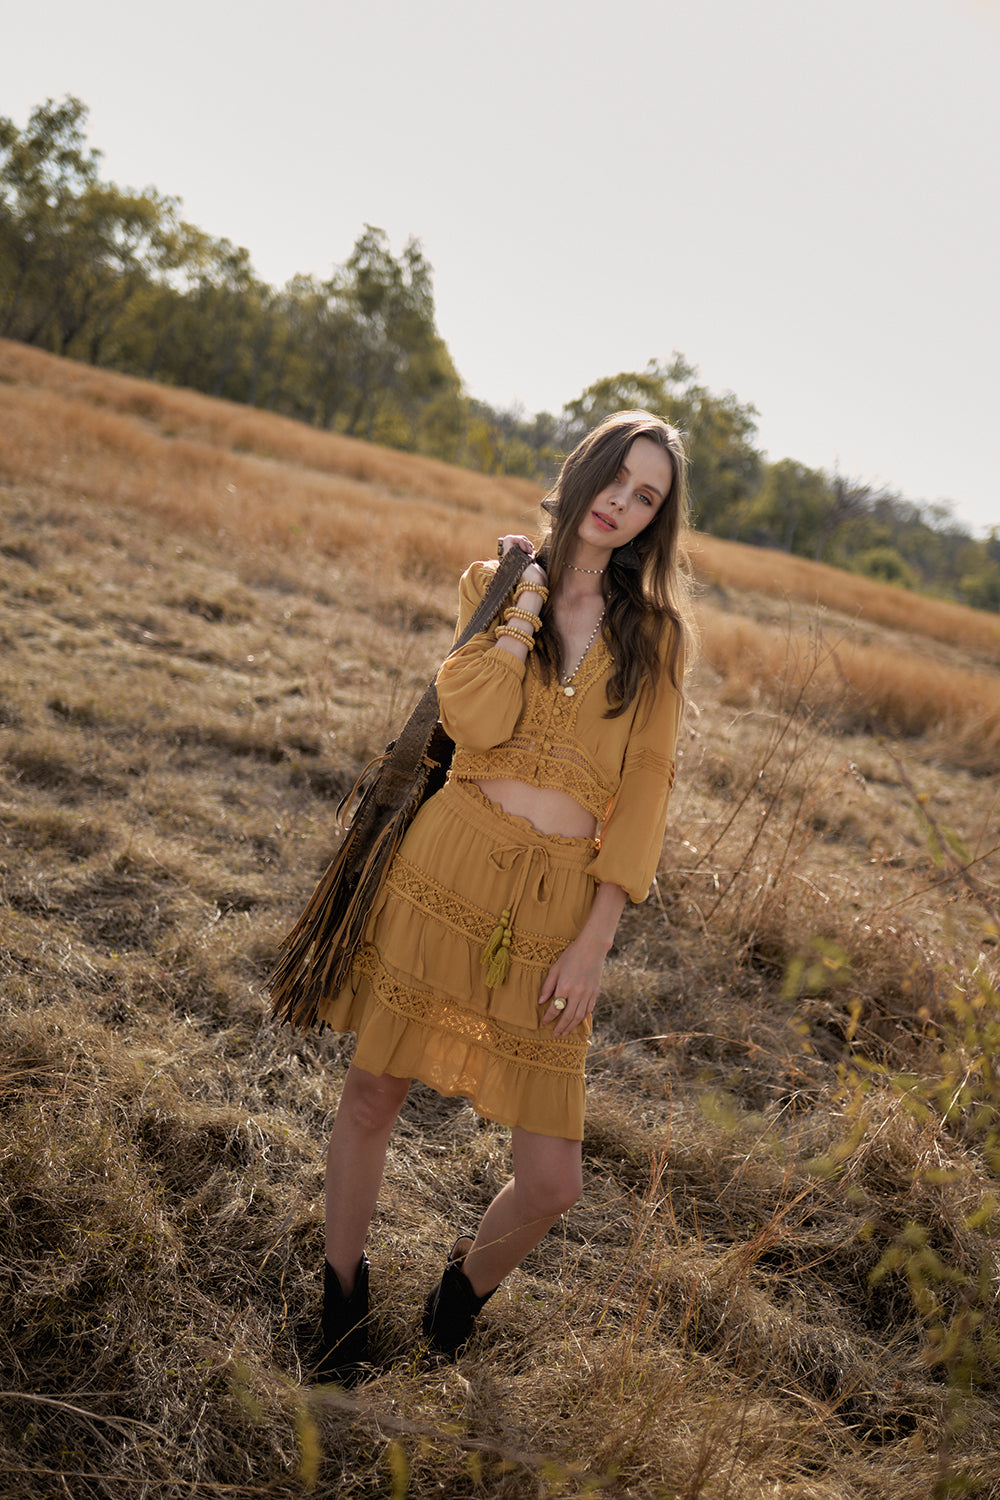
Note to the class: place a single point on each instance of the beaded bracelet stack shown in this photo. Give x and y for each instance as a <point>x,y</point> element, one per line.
<point>514,631</point>
<point>531,588</point>
<point>517,635</point>
<point>528,615</point>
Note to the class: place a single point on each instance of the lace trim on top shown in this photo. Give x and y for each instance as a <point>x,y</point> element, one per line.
<point>545,748</point>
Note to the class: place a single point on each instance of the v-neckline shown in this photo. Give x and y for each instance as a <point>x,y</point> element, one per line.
<point>566,681</point>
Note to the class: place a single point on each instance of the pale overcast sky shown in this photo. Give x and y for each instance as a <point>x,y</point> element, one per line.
<point>802,197</point>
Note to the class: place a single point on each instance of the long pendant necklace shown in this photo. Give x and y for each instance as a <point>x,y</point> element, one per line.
<point>565,682</point>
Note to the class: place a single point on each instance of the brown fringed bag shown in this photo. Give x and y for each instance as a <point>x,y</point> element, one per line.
<point>317,954</point>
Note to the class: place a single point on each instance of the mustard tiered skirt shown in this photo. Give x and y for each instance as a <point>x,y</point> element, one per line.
<point>419,999</point>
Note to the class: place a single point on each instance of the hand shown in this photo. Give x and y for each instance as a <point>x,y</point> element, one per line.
<point>576,978</point>
<point>534,572</point>
<point>504,544</point>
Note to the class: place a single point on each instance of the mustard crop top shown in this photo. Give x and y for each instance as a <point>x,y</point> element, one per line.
<point>507,723</point>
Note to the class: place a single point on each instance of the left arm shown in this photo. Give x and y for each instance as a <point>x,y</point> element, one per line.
<point>626,862</point>
<point>576,974</point>
<point>632,836</point>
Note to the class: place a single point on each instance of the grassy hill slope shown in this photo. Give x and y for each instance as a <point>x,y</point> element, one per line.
<point>782,1278</point>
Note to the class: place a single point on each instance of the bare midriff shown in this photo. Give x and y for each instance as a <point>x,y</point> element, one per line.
<point>546,809</point>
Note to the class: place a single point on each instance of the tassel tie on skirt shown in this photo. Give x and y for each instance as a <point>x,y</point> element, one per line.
<point>534,865</point>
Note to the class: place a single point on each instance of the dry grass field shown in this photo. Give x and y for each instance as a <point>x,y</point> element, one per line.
<point>782,1280</point>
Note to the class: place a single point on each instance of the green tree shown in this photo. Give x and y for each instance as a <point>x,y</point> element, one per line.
<point>849,499</point>
<point>885,564</point>
<point>360,352</point>
<point>396,360</point>
<point>221,302</point>
<point>74,250</point>
<point>443,423</point>
<point>980,585</point>
<point>115,244</point>
<point>510,441</point>
<point>43,170</point>
<point>311,359</point>
<point>788,509</point>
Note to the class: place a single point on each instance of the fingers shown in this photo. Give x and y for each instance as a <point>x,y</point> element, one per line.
<point>568,1018</point>
<point>504,544</point>
<point>564,1011</point>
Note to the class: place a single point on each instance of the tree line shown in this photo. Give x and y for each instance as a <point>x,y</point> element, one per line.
<point>118,278</point>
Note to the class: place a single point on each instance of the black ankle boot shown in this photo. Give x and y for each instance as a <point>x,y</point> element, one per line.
<point>452,1307</point>
<point>344,1341</point>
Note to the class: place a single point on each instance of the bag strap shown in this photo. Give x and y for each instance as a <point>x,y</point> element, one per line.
<point>403,759</point>
<point>512,565</point>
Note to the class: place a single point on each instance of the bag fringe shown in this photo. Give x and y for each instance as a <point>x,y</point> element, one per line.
<point>318,953</point>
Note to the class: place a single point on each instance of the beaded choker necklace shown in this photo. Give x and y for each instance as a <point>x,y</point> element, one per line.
<point>575,569</point>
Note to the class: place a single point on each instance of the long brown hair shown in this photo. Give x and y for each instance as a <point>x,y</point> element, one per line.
<point>646,584</point>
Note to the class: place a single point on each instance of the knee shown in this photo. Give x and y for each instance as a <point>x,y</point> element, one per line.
<point>555,1191</point>
<point>568,1191</point>
<point>371,1103</point>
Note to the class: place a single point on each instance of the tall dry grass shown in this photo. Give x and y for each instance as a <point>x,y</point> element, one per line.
<point>730,565</point>
<point>874,686</point>
<point>192,484</point>
<point>235,471</point>
<point>781,1281</point>
<point>236,430</point>
<point>254,478</point>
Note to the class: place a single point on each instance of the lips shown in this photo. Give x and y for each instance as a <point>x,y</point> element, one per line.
<point>604,521</point>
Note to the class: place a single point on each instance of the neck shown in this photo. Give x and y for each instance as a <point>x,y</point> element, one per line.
<point>586,559</point>
<point>577,590</point>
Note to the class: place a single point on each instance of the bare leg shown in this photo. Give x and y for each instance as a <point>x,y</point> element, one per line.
<point>548,1179</point>
<point>355,1161</point>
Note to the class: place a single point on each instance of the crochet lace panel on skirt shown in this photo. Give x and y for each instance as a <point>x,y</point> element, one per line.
<point>532,949</point>
<point>439,1013</point>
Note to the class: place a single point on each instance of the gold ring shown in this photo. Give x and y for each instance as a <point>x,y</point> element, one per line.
<point>559,1003</point>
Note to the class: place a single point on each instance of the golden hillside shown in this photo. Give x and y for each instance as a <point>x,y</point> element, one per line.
<point>781,1280</point>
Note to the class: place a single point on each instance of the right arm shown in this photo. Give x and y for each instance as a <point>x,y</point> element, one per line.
<point>481,686</point>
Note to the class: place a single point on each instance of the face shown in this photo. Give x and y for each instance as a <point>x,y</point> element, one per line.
<point>627,505</point>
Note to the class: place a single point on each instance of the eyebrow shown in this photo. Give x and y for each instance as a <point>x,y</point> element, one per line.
<point>652,487</point>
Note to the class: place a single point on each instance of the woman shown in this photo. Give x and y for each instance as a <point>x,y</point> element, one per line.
<point>482,961</point>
